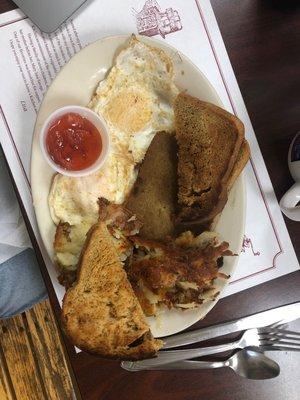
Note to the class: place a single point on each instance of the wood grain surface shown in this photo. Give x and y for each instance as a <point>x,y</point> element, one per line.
<point>49,353</point>
<point>33,365</point>
<point>20,360</point>
<point>262,39</point>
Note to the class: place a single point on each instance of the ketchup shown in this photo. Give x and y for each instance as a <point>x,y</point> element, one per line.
<point>73,142</point>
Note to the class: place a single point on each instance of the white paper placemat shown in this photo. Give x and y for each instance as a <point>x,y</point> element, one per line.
<point>30,60</point>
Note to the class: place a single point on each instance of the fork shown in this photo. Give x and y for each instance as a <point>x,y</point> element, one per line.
<point>265,339</point>
<point>278,339</point>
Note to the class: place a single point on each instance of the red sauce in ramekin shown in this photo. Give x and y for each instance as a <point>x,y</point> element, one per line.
<point>73,142</point>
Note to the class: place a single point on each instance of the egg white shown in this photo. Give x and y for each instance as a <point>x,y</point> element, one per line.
<point>136,100</point>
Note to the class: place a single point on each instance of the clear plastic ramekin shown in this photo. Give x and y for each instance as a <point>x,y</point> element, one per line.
<point>96,120</point>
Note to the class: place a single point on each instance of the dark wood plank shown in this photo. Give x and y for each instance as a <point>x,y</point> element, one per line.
<point>19,357</point>
<point>6,387</point>
<point>49,352</point>
<point>32,359</point>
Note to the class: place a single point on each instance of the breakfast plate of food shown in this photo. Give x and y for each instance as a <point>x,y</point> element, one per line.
<point>138,194</point>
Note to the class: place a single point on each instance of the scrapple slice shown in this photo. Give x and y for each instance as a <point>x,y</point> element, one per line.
<point>154,195</point>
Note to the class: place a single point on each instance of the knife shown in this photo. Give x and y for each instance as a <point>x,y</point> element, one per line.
<point>273,317</point>
<point>280,315</point>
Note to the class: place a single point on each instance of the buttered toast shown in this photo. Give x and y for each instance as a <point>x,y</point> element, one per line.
<point>101,314</point>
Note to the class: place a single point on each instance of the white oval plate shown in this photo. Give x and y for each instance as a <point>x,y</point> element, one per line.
<point>75,84</point>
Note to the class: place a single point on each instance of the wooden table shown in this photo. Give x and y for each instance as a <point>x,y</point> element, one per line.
<point>262,39</point>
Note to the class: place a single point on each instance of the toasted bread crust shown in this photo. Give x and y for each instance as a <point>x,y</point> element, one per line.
<point>209,140</point>
<point>242,159</point>
<point>100,313</point>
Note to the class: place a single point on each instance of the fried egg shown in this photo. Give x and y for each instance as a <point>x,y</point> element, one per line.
<point>74,200</point>
<point>135,99</point>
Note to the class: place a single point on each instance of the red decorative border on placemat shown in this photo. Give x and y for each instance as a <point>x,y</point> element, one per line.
<point>251,161</point>
<point>235,112</point>
<point>4,118</point>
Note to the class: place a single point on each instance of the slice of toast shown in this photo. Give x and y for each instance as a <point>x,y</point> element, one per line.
<point>209,140</point>
<point>101,314</point>
<point>242,159</point>
<point>154,196</point>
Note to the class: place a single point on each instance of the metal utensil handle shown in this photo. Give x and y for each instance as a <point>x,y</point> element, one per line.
<point>166,357</point>
<point>199,335</point>
<point>190,365</point>
<point>278,347</point>
<point>282,314</point>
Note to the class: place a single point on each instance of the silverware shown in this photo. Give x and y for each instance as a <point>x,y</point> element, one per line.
<point>265,339</point>
<point>278,315</point>
<point>247,363</point>
<point>280,339</point>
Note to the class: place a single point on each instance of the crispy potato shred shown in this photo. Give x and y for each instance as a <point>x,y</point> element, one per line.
<point>177,273</point>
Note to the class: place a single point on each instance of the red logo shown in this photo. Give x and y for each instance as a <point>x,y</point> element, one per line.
<point>247,244</point>
<point>152,20</point>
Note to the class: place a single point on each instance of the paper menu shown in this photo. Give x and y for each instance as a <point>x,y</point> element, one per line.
<point>32,59</point>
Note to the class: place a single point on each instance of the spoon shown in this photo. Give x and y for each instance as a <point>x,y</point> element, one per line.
<point>247,363</point>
